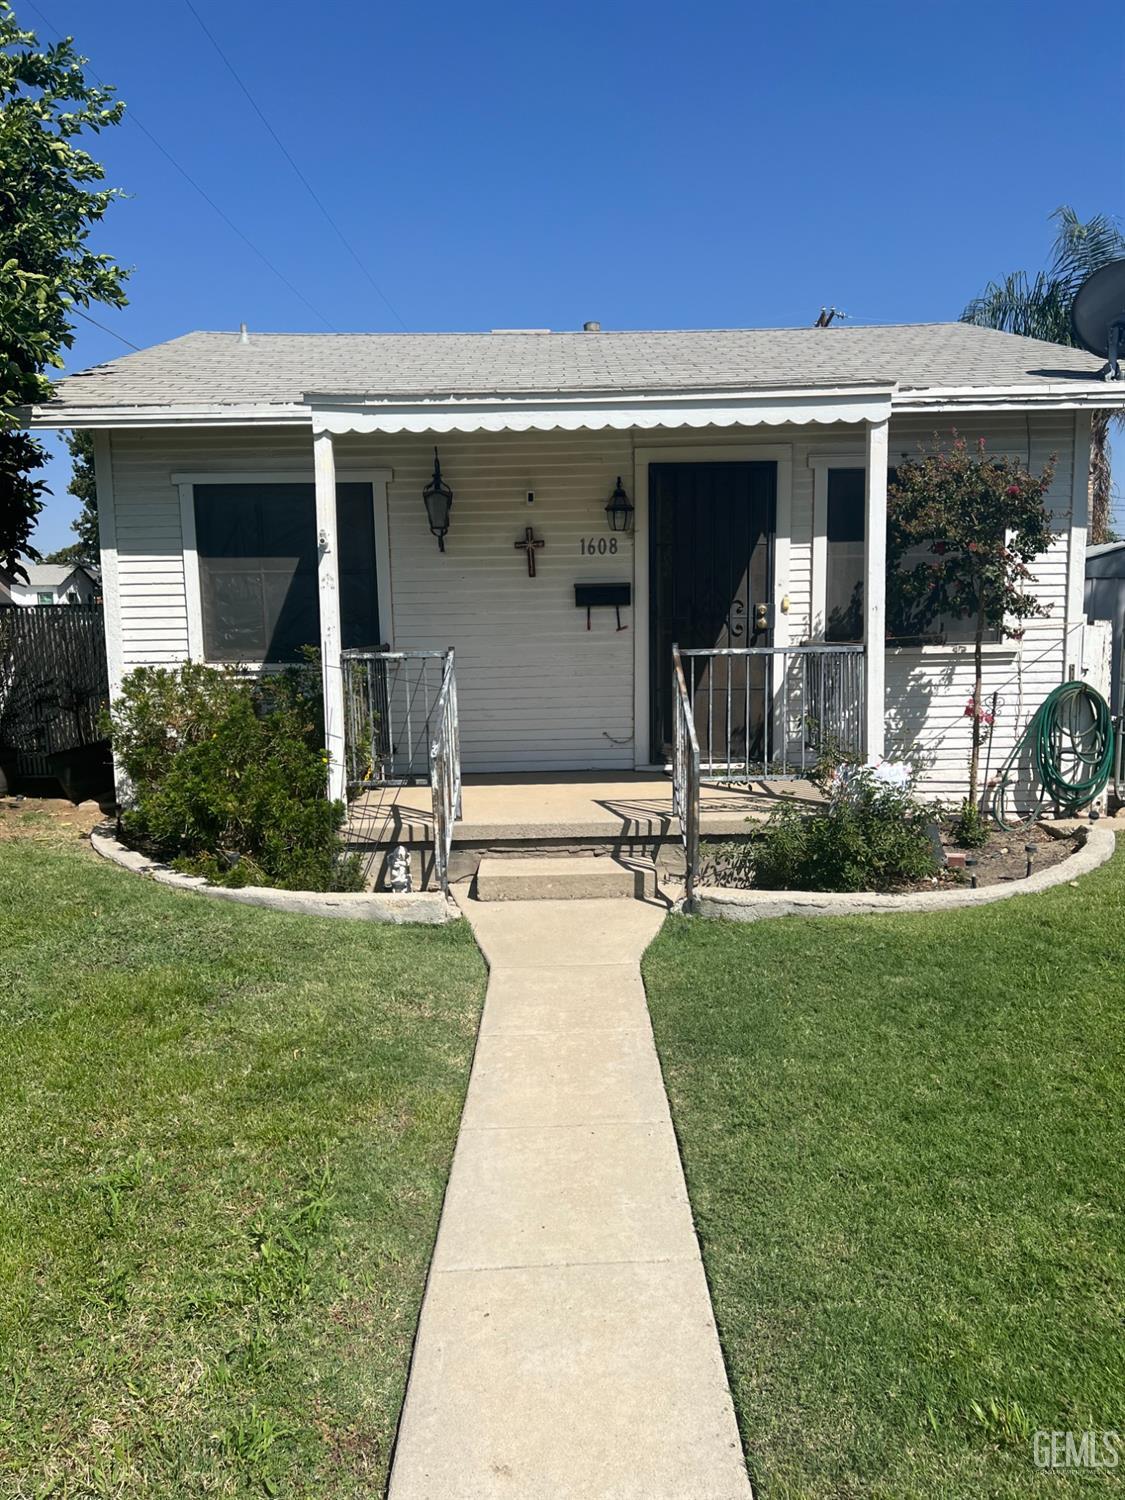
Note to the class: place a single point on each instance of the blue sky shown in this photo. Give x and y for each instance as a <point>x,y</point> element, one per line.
<point>644,164</point>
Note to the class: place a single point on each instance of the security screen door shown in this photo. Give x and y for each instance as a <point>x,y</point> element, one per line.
<point>711,531</point>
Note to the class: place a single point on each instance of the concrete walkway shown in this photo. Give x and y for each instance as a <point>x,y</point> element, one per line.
<point>567,1348</point>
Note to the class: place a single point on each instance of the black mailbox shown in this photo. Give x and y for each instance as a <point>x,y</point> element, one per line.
<point>600,595</point>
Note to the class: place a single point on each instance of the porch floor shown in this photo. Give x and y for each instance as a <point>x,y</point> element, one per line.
<point>566,805</point>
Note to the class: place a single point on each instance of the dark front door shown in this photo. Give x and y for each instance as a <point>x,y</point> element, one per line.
<point>711,529</point>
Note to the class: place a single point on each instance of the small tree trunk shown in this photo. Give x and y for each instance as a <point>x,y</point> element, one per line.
<point>1101,478</point>
<point>978,689</point>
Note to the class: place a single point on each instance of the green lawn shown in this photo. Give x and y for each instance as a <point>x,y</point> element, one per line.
<point>226,1134</point>
<point>903,1141</point>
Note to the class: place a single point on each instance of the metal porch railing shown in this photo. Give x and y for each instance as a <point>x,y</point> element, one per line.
<point>685,774</point>
<point>401,729</point>
<point>773,710</point>
<point>445,770</point>
<point>739,714</point>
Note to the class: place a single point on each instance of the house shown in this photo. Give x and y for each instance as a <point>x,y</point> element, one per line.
<point>51,583</point>
<point>613,494</point>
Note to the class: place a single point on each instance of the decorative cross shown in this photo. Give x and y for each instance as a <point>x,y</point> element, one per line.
<point>529,545</point>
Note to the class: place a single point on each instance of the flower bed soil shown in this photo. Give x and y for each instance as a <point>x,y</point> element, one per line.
<point>1001,860</point>
<point>1003,857</point>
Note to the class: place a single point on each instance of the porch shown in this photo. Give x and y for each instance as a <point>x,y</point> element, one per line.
<point>748,727</point>
<point>564,652</point>
<point>572,708</point>
<point>630,816</point>
<point>528,806</point>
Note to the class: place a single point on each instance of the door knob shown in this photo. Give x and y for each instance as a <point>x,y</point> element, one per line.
<point>761,617</point>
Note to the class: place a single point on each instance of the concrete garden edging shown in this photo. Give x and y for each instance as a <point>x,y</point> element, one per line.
<point>428,907</point>
<point>735,905</point>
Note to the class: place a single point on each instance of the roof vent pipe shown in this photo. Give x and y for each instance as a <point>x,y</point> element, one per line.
<point>243,334</point>
<point>591,328</point>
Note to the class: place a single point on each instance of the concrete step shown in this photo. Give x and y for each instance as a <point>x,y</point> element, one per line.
<point>557,878</point>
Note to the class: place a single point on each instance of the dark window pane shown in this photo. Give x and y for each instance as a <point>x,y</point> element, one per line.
<point>232,616</point>
<point>844,582</point>
<point>359,602</point>
<point>257,552</point>
<point>843,603</point>
<point>291,613</point>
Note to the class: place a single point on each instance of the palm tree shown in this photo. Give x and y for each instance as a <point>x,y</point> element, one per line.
<point>1039,308</point>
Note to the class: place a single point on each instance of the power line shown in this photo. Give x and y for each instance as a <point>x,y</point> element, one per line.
<point>281,146</point>
<point>186,175</point>
<point>78,313</point>
<point>229,222</point>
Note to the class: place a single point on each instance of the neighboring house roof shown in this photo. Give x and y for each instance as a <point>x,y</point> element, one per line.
<point>51,575</point>
<point>47,575</point>
<point>1107,560</point>
<point>278,369</point>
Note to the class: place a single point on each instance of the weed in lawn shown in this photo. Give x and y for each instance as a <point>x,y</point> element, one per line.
<point>1001,1421</point>
<point>115,1186</point>
<point>249,1441</point>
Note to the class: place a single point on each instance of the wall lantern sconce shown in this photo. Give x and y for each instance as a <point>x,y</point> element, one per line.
<point>619,509</point>
<point>438,500</point>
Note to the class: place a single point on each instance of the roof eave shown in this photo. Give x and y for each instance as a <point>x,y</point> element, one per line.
<point>276,414</point>
<point>520,410</point>
<point>1055,396</point>
<point>584,411</point>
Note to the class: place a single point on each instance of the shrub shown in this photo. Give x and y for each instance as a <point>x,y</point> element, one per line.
<point>833,758</point>
<point>970,828</point>
<point>728,863</point>
<point>871,837</point>
<point>228,777</point>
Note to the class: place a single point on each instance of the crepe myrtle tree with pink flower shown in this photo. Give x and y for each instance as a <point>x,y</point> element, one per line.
<point>982,521</point>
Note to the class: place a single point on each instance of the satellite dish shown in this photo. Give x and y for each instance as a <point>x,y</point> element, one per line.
<point>1098,314</point>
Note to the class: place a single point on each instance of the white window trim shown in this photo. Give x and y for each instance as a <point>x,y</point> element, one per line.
<point>378,479</point>
<point>780,454</point>
<point>820,463</point>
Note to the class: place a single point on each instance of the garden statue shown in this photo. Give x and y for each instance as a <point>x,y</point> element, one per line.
<point>400,870</point>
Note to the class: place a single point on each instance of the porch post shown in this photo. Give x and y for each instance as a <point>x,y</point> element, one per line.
<point>328,589</point>
<point>875,590</point>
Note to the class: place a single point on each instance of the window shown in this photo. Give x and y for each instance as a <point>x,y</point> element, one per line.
<point>843,601</point>
<point>256,545</point>
<point>45,598</point>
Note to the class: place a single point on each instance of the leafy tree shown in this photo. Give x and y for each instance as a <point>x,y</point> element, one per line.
<point>83,486</point>
<point>72,554</point>
<point>1039,307</point>
<point>983,521</point>
<point>49,201</point>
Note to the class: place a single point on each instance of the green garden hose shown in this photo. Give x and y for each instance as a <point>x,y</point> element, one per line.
<point>1070,746</point>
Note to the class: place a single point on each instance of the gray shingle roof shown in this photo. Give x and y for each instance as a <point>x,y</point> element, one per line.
<point>282,368</point>
<point>49,575</point>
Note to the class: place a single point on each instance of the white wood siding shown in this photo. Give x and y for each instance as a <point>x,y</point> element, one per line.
<point>537,690</point>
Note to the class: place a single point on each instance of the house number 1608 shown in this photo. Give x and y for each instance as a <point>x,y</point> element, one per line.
<point>598,544</point>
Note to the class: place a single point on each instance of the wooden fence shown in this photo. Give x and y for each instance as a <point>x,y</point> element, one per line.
<point>53,683</point>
